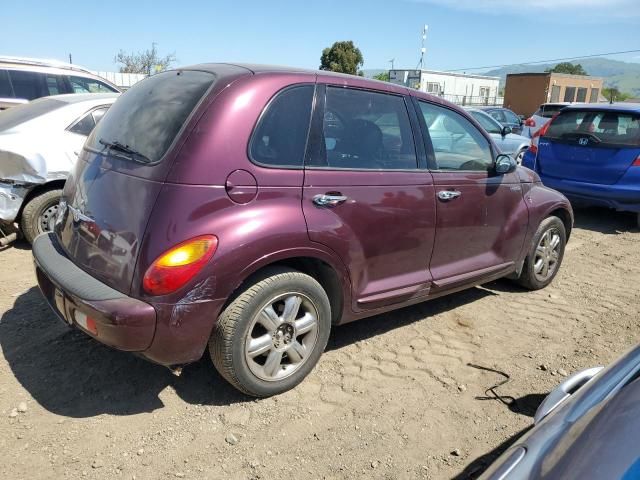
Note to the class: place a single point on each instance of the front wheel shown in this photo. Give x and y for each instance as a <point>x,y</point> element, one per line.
<point>268,339</point>
<point>39,215</point>
<point>545,256</point>
<point>520,156</point>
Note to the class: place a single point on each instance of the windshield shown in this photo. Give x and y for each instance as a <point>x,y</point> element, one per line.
<point>146,119</point>
<point>486,121</point>
<point>15,116</point>
<point>611,128</point>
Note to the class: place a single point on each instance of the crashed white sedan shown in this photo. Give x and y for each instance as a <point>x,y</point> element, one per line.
<point>39,143</point>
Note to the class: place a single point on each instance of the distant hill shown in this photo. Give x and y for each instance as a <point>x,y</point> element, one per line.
<point>624,76</point>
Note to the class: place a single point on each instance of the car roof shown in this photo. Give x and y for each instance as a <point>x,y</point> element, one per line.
<point>260,69</point>
<point>40,62</point>
<point>606,107</point>
<point>71,98</point>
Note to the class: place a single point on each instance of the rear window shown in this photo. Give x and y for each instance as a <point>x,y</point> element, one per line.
<point>14,116</point>
<point>548,111</point>
<point>599,127</point>
<point>146,119</point>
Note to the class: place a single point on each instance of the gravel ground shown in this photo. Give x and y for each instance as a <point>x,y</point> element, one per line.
<point>395,396</point>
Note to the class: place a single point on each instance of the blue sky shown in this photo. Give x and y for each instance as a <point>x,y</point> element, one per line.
<point>462,33</point>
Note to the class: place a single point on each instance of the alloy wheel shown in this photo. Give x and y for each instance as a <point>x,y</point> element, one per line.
<point>281,336</point>
<point>547,255</point>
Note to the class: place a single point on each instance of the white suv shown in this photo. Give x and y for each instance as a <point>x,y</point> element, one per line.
<point>25,79</point>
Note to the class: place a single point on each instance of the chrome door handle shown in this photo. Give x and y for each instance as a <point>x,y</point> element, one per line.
<point>448,194</point>
<point>329,200</point>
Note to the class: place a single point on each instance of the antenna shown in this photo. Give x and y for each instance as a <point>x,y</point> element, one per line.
<point>423,50</point>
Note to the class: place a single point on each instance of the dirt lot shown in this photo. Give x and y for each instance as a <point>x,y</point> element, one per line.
<point>393,397</point>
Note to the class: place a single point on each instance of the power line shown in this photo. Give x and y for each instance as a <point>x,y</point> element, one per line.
<point>543,61</point>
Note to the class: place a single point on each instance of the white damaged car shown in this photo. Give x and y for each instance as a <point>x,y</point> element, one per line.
<point>39,144</point>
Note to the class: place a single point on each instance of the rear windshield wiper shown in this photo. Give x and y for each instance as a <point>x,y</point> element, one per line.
<point>115,145</point>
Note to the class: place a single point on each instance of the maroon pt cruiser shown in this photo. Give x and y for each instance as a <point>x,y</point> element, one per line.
<point>249,209</point>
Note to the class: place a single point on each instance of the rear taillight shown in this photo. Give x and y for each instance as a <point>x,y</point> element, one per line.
<point>529,122</point>
<point>174,268</point>
<point>636,162</point>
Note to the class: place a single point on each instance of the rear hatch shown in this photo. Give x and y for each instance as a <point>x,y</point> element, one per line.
<point>119,173</point>
<point>590,145</point>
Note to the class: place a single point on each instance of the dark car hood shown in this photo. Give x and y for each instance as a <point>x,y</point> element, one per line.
<point>527,176</point>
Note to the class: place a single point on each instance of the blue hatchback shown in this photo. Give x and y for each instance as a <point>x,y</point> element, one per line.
<point>591,153</point>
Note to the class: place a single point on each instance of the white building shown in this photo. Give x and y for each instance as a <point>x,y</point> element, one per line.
<point>458,88</point>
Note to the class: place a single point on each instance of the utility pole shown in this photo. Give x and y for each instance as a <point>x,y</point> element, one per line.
<point>423,50</point>
<point>70,59</point>
<point>391,62</point>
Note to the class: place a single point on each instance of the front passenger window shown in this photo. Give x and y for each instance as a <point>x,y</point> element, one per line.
<point>457,143</point>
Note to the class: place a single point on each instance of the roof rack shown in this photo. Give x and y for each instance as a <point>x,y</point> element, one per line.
<point>39,62</point>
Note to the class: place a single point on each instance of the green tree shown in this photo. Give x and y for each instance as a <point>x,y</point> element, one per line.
<point>567,67</point>
<point>383,76</point>
<point>343,57</point>
<point>146,62</point>
<point>614,95</point>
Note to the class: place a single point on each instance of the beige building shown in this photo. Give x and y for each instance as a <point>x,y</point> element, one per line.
<point>524,92</point>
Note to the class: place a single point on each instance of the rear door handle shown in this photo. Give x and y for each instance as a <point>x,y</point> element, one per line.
<point>448,194</point>
<point>329,199</point>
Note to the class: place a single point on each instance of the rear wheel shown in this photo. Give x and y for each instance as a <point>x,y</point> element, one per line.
<point>39,215</point>
<point>545,256</point>
<point>271,336</point>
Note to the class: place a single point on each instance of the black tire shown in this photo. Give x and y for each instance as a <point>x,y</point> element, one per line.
<point>235,324</point>
<point>528,278</point>
<point>42,205</point>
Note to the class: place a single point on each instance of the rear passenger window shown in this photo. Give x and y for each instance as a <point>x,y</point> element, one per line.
<point>27,85</point>
<point>84,126</point>
<point>457,144</point>
<point>367,130</point>
<point>55,85</point>
<point>281,135</point>
<point>5,86</point>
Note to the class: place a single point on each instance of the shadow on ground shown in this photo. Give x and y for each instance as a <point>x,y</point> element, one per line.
<point>604,220</point>
<point>526,405</point>
<point>70,374</point>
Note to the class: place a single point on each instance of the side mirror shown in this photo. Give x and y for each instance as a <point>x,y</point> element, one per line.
<point>504,164</point>
<point>506,130</point>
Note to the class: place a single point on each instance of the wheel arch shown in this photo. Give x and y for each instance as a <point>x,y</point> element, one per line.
<point>566,217</point>
<point>333,278</point>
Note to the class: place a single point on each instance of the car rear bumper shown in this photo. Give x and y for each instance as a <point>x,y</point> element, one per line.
<point>623,197</point>
<point>116,320</point>
<point>164,333</point>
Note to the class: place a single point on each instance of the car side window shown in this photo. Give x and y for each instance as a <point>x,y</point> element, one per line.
<point>27,85</point>
<point>457,143</point>
<point>280,138</point>
<point>98,113</point>
<point>55,85</point>
<point>84,126</point>
<point>498,115</point>
<point>512,117</point>
<point>88,85</point>
<point>5,85</point>
<point>366,130</point>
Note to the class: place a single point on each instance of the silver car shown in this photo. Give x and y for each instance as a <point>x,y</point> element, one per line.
<point>25,79</point>
<point>587,429</point>
<point>39,143</point>
<point>509,143</point>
